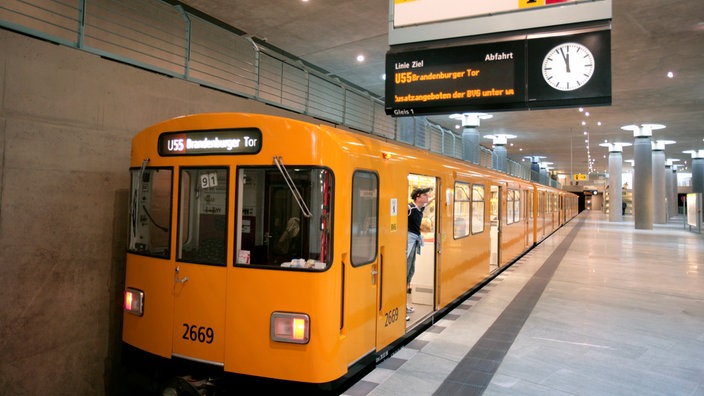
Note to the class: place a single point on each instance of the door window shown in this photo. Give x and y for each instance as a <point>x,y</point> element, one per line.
<point>365,214</point>
<point>203,215</point>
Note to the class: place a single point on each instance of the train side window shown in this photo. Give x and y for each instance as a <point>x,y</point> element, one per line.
<point>202,214</point>
<point>365,215</point>
<point>286,217</point>
<point>462,209</point>
<point>477,208</point>
<point>513,206</point>
<point>510,198</point>
<point>150,211</point>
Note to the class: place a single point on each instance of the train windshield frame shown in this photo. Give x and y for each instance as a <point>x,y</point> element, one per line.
<point>285,217</point>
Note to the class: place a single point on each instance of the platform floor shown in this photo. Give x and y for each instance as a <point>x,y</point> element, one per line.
<point>599,308</point>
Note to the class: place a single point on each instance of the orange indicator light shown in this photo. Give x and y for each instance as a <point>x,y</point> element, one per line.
<point>290,327</point>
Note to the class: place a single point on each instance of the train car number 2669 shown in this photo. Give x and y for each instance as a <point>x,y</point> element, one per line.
<point>196,333</point>
<point>391,317</point>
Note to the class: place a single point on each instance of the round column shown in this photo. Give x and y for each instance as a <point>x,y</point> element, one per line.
<point>544,172</point>
<point>470,144</point>
<point>471,149</point>
<point>535,167</point>
<point>643,175</point>
<point>674,205</point>
<point>615,180</point>
<point>499,153</point>
<point>698,172</point>
<point>671,187</point>
<point>668,190</point>
<point>659,191</point>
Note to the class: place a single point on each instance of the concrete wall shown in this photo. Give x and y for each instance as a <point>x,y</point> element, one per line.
<point>66,123</point>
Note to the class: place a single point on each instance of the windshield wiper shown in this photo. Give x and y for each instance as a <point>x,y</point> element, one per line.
<point>296,195</point>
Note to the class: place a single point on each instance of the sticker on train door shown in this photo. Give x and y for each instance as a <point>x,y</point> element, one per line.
<point>394,214</point>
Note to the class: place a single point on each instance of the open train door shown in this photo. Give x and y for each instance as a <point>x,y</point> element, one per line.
<point>422,296</point>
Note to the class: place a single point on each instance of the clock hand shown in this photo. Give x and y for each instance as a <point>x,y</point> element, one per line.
<point>566,58</point>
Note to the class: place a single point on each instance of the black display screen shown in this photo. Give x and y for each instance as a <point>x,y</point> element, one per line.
<point>480,76</point>
<point>496,76</point>
<point>221,141</point>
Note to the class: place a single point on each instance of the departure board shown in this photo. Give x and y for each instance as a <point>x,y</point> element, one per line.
<point>441,80</point>
<point>539,71</point>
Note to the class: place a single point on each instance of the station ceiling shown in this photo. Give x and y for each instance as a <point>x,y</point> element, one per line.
<point>649,39</point>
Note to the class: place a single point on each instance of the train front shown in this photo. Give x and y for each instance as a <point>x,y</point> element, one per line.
<point>230,243</point>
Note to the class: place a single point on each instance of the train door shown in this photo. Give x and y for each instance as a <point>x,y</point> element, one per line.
<point>528,216</point>
<point>495,227</point>
<point>421,293</point>
<point>361,268</point>
<point>200,269</point>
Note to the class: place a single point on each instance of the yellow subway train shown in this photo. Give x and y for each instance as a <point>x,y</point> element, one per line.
<point>273,248</point>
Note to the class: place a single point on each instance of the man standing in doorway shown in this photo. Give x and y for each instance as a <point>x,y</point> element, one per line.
<point>420,199</point>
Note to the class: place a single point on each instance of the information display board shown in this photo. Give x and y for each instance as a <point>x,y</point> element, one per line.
<point>558,70</point>
<point>483,76</point>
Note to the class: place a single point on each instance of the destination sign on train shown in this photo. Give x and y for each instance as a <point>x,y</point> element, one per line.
<point>221,141</point>
<point>441,80</point>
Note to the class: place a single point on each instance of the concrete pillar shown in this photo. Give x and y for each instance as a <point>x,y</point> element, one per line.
<point>659,191</point>
<point>668,189</point>
<point>643,174</point>
<point>499,153</point>
<point>544,175</point>
<point>643,183</point>
<point>535,171</point>
<point>674,204</point>
<point>471,150</point>
<point>470,144</point>
<point>671,187</point>
<point>535,167</point>
<point>499,157</point>
<point>697,171</point>
<point>545,172</point>
<point>615,180</point>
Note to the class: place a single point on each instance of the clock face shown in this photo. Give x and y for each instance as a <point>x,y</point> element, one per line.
<point>568,66</point>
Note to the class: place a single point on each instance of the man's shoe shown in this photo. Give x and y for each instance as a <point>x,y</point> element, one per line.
<point>410,309</point>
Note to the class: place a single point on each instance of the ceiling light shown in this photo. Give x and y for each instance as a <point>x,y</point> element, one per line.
<point>470,119</point>
<point>670,74</point>
<point>360,58</point>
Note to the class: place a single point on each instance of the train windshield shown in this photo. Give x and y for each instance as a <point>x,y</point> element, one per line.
<point>286,217</point>
<point>150,211</point>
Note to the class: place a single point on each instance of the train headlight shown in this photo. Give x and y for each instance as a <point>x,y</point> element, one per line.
<point>290,327</point>
<point>134,301</point>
